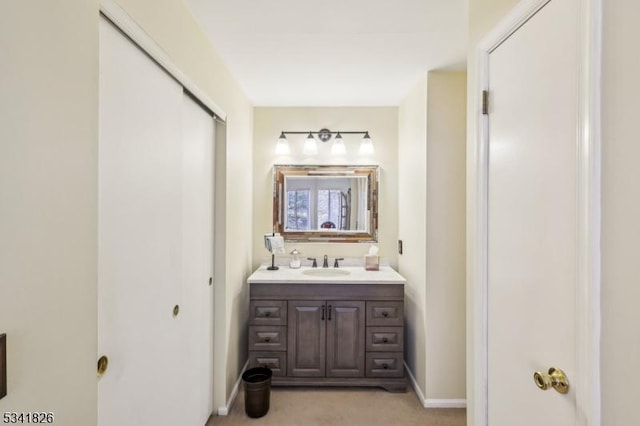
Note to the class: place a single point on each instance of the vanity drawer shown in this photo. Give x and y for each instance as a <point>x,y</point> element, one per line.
<point>267,338</point>
<point>275,361</point>
<point>385,339</point>
<point>268,312</point>
<point>385,313</point>
<point>385,364</point>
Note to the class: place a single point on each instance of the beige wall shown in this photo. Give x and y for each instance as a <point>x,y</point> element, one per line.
<point>620,214</point>
<point>382,124</point>
<point>412,228</point>
<point>431,225</point>
<point>445,294</point>
<point>177,33</point>
<point>48,206</point>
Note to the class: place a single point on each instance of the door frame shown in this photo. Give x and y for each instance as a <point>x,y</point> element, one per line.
<point>587,382</point>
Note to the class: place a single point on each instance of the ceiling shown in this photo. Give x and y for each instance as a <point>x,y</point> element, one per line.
<point>333,52</point>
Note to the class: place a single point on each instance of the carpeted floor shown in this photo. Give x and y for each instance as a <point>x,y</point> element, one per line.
<point>348,406</point>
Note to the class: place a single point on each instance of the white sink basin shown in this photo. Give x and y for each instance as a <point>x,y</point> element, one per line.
<point>326,272</point>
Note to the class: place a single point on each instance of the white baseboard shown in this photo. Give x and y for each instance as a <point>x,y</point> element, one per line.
<point>445,403</point>
<point>414,385</point>
<point>224,411</point>
<point>433,403</point>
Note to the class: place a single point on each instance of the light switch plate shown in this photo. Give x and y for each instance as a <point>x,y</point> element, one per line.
<point>3,365</point>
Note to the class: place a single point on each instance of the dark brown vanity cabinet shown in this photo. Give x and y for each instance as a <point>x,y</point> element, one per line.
<point>326,338</point>
<point>329,334</point>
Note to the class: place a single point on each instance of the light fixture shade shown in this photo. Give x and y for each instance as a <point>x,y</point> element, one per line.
<point>366,145</point>
<point>310,147</point>
<point>282,146</point>
<point>338,148</point>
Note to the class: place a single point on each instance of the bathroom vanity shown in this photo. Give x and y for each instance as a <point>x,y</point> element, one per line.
<point>328,326</point>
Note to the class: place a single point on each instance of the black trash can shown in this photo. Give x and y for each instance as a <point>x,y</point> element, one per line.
<point>257,387</point>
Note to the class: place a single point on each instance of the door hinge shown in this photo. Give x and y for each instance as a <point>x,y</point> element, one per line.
<point>485,102</point>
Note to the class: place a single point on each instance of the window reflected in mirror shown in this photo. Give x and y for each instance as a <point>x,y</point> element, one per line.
<point>333,203</point>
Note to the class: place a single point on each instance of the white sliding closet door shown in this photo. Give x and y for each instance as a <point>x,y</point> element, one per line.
<point>155,243</point>
<point>197,260</point>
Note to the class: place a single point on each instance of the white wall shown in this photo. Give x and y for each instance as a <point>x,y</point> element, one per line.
<point>48,206</point>
<point>431,225</point>
<point>177,33</point>
<point>382,124</point>
<point>620,214</point>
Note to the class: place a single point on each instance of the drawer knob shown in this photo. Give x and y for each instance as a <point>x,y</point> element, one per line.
<point>267,339</point>
<point>385,314</point>
<point>267,314</point>
<point>385,366</point>
<point>385,340</point>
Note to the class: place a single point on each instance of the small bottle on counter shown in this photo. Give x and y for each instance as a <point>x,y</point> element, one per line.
<point>295,262</point>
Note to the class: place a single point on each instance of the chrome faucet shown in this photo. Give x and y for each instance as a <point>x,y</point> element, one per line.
<point>325,262</point>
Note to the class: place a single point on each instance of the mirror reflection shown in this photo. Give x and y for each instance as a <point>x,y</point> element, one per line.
<point>326,202</point>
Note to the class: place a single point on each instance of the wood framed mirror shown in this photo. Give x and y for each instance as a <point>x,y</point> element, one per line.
<point>326,203</point>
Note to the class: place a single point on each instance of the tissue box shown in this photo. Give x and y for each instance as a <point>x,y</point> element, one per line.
<point>372,263</point>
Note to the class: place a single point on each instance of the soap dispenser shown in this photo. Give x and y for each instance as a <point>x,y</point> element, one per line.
<point>295,262</point>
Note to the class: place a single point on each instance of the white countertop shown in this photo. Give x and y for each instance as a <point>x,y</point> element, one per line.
<point>357,275</point>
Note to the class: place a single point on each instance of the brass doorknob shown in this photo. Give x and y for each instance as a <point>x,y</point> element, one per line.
<point>555,378</point>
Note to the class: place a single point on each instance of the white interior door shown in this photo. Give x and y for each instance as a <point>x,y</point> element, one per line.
<point>155,243</point>
<point>532,211</point>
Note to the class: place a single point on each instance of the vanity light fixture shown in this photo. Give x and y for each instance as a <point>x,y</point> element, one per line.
<point>338,147</point>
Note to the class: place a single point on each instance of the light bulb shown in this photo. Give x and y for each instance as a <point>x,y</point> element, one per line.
<point>282,146</point>
<point>366,145</point>
<point>338,148</point>
<point>310,147</point>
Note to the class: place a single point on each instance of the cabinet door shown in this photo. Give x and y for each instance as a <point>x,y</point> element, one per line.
<point>306,339</point>
<point>345,339</point>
